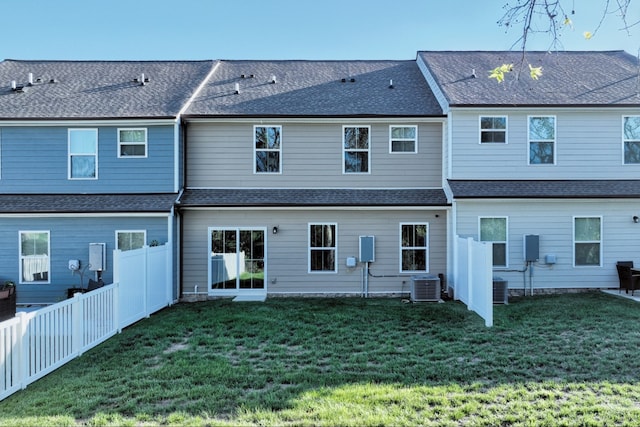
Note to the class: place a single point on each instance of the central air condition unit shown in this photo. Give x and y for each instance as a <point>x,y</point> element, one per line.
<point>425,288</point>
<point>500,291</point>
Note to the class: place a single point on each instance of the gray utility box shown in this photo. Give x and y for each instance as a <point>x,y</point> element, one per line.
<point>425,288</point>
<point>500,291</point>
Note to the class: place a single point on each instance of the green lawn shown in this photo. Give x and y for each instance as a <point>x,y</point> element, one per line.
<point>549,360</point>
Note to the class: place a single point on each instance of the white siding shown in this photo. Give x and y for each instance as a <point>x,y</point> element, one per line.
<point>588,146</point>
<point>287,259</point>
<point>221,155</point>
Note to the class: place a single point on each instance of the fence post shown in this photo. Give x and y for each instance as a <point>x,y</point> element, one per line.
<point>20,360</point>
<point>145,285</point>
<point>77,326</point>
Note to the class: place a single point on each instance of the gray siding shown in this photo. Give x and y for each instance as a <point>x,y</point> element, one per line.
<point>588,146</point>
<point>221,155</point>
<point>69,239</point>
<point>552,220</point>
<point>35,160</point>
<point>287,256</point>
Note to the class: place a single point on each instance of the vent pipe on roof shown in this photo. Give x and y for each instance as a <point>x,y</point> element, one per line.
<point>13,85</point>
<point>273,79</point>
<point>30,79</point>
<point>473,73</point>
<point>237,91</point>
<point>390,83</point>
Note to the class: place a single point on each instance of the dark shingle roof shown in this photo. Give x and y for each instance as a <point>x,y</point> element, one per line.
<point>315,88</point>
<point>311,197</point>
<point>545,189</point>
<point>86,203</point>
<point>98,89</point>
<point>568,79</point>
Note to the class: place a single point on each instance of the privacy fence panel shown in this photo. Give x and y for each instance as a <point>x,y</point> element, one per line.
<point>474,276</point>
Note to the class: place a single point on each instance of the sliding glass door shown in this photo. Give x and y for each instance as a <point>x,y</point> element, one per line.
<point>237,258</point>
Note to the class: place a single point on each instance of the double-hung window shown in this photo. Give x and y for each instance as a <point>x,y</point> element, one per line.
<point>356,144</point>
<point>587,241</point>
<point>542,140</point>
<point>127,240</point>
<point>322,248</point>
<point>403,139</point>
<point>414,248</point>
<point>494,230</point>
<point>493,129</point>
<point>631,139</point>
<point>34,257</point>
<point>83,153</point>
<point>268,149</point>
<point>132,142</point>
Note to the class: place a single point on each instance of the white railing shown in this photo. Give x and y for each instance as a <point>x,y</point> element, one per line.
<point>474,276</point>
<point>35,344</point>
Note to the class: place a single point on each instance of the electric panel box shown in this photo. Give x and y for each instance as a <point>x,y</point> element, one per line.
<point>97,256</point>
<point>367,248</point>
<point>531,247</point>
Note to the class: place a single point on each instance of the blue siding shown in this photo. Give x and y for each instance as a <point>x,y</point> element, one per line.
<point>35,160</point>
<point>69,239</point>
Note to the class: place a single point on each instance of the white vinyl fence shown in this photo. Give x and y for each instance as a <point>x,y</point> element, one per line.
<point>35,344</point>
<point>474,276</point>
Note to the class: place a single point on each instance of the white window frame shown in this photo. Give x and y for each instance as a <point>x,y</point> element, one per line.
<point>600,242</point>
<point>625,141</point>
<point>415,248</point>
<point>310,249</point>
<point>554,140</point>
<point>143,143</point>
<point>22,257</point>
<point>392,139</point>
<point>506,242</point>
<point>70,154</point>
<point>118,232</point>
<point>356,150</point>
<point>268,150</point>
<point>505,130</point>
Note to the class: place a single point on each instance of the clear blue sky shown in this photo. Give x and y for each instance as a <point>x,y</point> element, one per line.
<point>279,29</point>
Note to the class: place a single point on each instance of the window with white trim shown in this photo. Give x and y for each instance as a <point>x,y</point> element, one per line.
<point>127,240</point>
<point>414,247</point>
<point>542,140</point>
<point>35,263</point>
<point>403,139</point>
<point>267,149</point>
<point>132,142</point>
<point>493,129</point>
<point>587,241</point>
<point>631,139</point>
<point>323,245</point>
<point>356,146</point>
<point>494,230</point>
<point>83,153</point>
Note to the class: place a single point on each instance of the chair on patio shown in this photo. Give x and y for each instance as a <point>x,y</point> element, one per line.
<point>628,280</point>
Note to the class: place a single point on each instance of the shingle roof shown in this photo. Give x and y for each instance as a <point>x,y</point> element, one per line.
<point>568,79</point>
<point>98,89</point>
<point>310,197</point>
<point>545,189</point>
<point>86,203</point>
<point>316,88</point>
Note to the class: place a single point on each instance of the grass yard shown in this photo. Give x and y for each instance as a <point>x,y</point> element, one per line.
<point>549,360</point>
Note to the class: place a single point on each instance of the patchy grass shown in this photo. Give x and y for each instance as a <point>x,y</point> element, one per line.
<point>549,360</point>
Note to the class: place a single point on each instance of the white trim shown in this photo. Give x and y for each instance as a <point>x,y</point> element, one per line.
<point>199,89</point>
<point>506,242</point>
<point>600,242</point>
<point>493,116</point>
<point>426,247</point>
<point>357,150</point>
<point>20,258</point>
<point>144,232</point>
<point>145,143</point>
<point>335,248</point>
<point>69,166</point>
<point>554,141</point>
<point>391,139</point>
<point>268,150</point>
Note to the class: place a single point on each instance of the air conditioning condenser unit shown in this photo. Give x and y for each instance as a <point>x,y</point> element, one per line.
<point>425,288</point>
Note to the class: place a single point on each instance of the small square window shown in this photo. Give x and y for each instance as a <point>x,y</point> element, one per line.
<point>132,143</point>
<point>631,139</point>
<point>493,129</point>
<point>403,139</point>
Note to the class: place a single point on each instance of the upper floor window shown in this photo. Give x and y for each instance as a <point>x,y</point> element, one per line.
<point>414,247</point>
<point>494,230</point>
<point>542,140</point>
<point>322,248</point>
<point>132,142</point>
<point>403,139</point>
<point>631,139</point>
<point>127,240</point>
<point>83,153</point>
<point>356,144</point>
<point>34,257</point>
<point>493,129</point>
<point>268,149</point>
<point>587,241</point>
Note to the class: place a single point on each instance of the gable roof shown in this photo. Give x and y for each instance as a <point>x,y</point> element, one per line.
<point>545,189</point>
<point>315,89</point>
<point>98,89</point>
<point>610,78</point>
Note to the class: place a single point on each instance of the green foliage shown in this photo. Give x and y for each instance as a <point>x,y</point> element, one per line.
<point>548,360</point>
